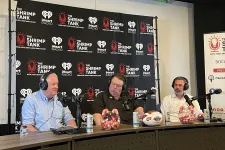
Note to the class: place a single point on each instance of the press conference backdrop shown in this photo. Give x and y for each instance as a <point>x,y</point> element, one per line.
<point>84,47</point>
<point>214,49</point>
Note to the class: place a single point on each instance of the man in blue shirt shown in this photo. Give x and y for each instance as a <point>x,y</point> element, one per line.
<point>42,110</point>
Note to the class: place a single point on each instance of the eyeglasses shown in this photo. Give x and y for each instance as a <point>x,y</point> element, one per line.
<point>117,85</point>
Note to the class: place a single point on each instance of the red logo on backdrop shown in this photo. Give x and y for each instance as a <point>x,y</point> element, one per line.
<point>81,67</point>
<point>32,66</point>
<point>71,43</point>
<point>62,18</point>
<point>142,26</point>
<point>131,91</point>
<point>20,39</point>
<point>150,48</point>
<point>114,46</point>
<point>214,43</point>
<point>105,22</point>
<point>91,93</point>
<point>122,68</point>
<point>219,70</point>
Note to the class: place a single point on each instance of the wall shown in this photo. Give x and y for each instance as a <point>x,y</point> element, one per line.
<point>175,30</point>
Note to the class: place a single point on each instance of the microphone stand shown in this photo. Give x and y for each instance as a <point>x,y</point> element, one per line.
<point>78,112</point>
<point>208,97</point>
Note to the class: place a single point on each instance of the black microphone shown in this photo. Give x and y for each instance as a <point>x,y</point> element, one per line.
<point>188,100</point>
<point>62,99</point>
<point>215,91</point>
<point>79,98</point>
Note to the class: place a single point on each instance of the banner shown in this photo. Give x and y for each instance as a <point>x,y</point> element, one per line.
<point>84,47</point>
<point>214,49</point>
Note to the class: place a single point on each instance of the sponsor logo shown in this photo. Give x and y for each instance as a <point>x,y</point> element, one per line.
<point>92,25</point>
<point>109,69</point>
<point>24,93</point>
<point>66,66</point>
<point>119,48</point>
<point>146,28</point>
<point>88,70</point>
<point>139,49</point>
<point>129,71</point>
<point>112,25</point>
<point>131,27</point>
<point>47,17</point>
<point>57,44</point>
<point>101,47</point>
<point>25,16</point>
<point>18,71</point>
<point>76,45</point>
<point>38,68</point>
<point>219,70</point>
<point>67,20</point>
<point>146,70</point>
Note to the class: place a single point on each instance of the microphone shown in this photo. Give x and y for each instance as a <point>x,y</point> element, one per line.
<point>79,98</point>
<point>126,103</point>
<point>188,100</point>
<point>215,91</point>
<point>62,99</point>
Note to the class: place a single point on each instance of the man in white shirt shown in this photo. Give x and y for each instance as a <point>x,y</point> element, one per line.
<point>172,103</point>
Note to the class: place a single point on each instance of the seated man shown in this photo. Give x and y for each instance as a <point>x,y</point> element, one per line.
<point>42,110</point>
<point>173,102</point>
<point>116,98</point>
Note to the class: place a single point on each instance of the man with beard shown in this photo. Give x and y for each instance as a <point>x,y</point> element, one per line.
<point>116,98</point>
<point>173,102</point>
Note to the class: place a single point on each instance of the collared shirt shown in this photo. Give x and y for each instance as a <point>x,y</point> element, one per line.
<point>43,113</point>
<point>105,101</point>
<point>172,103</point>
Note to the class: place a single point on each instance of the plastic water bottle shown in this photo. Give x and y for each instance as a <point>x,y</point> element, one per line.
<point>135,120</point>
<point>89,123</point>
<point>167,118</point>
<point>206,116</point>
<point>23,130</point>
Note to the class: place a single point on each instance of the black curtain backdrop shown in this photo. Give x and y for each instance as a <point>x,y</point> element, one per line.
<point>84,47</point>
<point>208,18</point>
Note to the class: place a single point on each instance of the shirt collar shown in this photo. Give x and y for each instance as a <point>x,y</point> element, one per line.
<point>43,97</point>
<point>174,96</point>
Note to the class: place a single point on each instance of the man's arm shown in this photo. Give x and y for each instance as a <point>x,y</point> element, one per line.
<point>68,118</point>
<point>97,118</point>
<point>165,105</point>
<point>72,123</point>
<point>28,113</point>
<point>140,110</point>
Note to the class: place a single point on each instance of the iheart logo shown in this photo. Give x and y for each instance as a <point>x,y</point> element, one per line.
<point>66,66</point>
<point>57,40</point>
<point>47,14</point>
<point>146,67</point>
<point>77,91</point>
<point>18,63</point>
<point>101,44</point>
<point>25,92</point>
<point>92,20</point>
<point>109,67</point>
<point>139,46</point>
<point>131,24</point>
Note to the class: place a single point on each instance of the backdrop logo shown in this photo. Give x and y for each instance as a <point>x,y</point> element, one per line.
<point>47,15</point>
<point>111,25</point>
<point>122,68</point>
<point>214,43</point>
<point>105,22</point>
<point>57,41</point>
<point>31,42</point>
<point>219,70</point>
<point>32,66</point>
<point>114,46</point>
<point>66,66</point>
<point>110,69</point>
<point>211,77</point>
<point>101,47</point>
<point>81,67</point>
<point>24,16</point>
<point>131,91</point>
<point>139,47</point>
<point>131,27</point>
<point>220,61</point>
<point>18,71</point>
<point>68,20</point>
<point>90,93</point>
<point>76,91</point>
<point>150,49</point>
<point>88,70</point>
<point>62,17</point>
<point>119,48</point>
<point>146,71</point>
<point>79,46</point>
<point>146,28</point>
<point>71,43</point>
<point>132,71</point>
<point>93,25</point>
<point>138,92</point>
<point>25,92</point>
<point>21,39</point>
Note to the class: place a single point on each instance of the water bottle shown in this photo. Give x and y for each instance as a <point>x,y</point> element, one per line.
<point>23,130</point>
<point>206,116</point>
<point>167,118</point>
<point>89,123</point>
<point>135,120</point>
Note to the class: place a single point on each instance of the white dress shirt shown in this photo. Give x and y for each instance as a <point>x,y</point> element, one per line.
<point>172,103</point>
